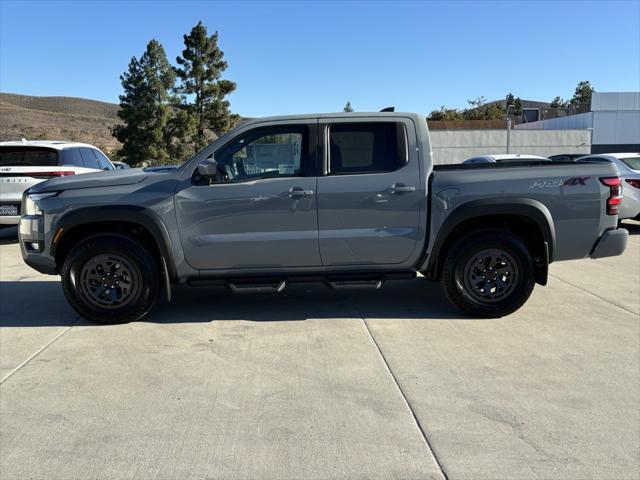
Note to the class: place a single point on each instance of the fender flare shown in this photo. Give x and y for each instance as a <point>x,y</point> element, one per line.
<point>121,213</point>
<point>525,207</point>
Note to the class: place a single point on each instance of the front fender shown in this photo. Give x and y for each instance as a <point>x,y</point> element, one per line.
<point>120,213</point>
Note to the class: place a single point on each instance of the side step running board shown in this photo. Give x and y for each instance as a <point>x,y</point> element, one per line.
<point>256,287</point>
<point>349,284</point>
<point>338,281</point>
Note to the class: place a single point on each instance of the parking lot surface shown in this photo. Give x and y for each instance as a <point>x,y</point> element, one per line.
<point>314,383</point>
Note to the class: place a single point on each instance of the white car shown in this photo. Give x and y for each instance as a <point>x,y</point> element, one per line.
<point>629,167</point>
<point>25,163</point>
<point>506,157</point>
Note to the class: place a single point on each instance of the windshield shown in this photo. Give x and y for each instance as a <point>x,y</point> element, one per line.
<point>28,157</point>
<point>632,162</point>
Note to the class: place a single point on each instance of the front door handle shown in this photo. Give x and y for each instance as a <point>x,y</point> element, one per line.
<point>299,192</point>
<point>401,188</point>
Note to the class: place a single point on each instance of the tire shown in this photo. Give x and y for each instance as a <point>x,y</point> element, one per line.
<point>488,274</point>
<point>110,279</point>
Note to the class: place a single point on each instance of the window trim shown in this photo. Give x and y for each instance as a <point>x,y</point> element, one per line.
<point>327,139</point>
<point>307,151</point>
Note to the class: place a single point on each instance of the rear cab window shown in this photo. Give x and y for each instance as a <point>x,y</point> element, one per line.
<point>361,148</point>
<point>28,157</point>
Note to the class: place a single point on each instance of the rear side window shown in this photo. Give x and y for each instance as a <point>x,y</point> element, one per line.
<point>633,162</point>
<point>90,160</point>
<point>366,148</point>
<point>71,157</point>
<point>28,157</point>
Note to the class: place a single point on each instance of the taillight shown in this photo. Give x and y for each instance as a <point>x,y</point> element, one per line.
<point>63,173</point>
<point>634,182</point>
<point>615,194</point>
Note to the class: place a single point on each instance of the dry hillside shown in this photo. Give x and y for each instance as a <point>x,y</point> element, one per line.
<point>58,118</point>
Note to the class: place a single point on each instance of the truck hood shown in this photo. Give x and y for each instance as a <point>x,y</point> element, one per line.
<point>90,180</point>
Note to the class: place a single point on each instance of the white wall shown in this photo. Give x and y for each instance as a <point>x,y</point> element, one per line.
<point>454,146</point>
<point>616,118</point>
<point>572,122</point>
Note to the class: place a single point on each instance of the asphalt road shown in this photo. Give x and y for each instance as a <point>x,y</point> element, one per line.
<point>318,384</point>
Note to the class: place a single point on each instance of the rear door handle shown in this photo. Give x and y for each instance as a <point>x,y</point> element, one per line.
<point>299,192</point>
<point>401,188</point>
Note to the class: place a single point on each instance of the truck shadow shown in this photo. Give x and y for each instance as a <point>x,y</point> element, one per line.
<point>632,226</point>
<point>42,304</point>
<point>8,235</point>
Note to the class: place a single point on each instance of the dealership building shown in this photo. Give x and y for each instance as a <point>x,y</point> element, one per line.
<point>614,122</point>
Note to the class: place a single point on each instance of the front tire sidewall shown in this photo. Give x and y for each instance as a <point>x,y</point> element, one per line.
<point>131,251</point>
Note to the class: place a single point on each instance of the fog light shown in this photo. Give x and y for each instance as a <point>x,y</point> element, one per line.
<point>35,246</point>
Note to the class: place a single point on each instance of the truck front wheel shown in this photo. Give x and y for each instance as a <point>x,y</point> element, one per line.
<point>488,274</point>
<point>110,278</point>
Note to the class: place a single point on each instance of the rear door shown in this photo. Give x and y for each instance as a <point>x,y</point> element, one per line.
<point>369,197</point>
<point>261,211</point>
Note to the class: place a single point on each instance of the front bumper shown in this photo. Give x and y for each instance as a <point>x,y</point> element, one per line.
<point>611,243</point>
<point>9,219</point>
<point>30,233</point>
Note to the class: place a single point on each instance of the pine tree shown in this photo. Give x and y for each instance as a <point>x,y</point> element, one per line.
<point>145,108</point>
<point>348,107</point>
<point>582,95</point>
<point>202,90</point>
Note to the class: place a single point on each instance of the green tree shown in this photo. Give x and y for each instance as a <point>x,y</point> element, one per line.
<point>202,89</point>
<point>509,99</point>
<point>494,111</point>
<point>582,95</point>
<point>145,108</point>
<point>445,114</point>
<point>348,107</point>
<point>558,102</point>
<point>517,106</point>
<point>476,110</point>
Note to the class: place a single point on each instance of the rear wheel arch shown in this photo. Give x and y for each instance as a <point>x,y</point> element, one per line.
<point>526,218</point>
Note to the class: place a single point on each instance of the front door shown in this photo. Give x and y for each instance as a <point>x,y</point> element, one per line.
<point>261,211</point>
<point>369,200</point>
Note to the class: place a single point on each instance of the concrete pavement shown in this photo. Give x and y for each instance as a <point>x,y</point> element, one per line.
<point>319,384</point>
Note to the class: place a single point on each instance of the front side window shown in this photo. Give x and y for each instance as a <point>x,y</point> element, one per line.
<point>263,153</point>
<point>102,160</point>
<point>366,148</point>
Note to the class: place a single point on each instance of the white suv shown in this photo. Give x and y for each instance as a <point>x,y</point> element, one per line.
<point>23,164</point>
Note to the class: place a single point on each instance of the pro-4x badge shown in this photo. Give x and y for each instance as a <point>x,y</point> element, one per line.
<point>570,182</point>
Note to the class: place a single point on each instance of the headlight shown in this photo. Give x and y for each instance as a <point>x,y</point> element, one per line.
<point>31,203</point>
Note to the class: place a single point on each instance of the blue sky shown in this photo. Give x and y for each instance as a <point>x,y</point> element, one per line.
<point>295,57</point>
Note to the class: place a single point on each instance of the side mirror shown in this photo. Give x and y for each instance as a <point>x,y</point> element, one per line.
<point>208,168</point>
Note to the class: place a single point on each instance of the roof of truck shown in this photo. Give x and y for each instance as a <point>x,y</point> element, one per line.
<point>55,144</point>
<point>336,115</point>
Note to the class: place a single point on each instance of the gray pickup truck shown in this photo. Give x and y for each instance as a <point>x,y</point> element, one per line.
<point>351,200</point>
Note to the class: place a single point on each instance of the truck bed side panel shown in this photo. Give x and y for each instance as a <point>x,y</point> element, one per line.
<point>572,193</point>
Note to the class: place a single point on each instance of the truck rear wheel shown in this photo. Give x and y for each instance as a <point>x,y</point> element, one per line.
<point>110,279</point>
<point>488,274</point>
